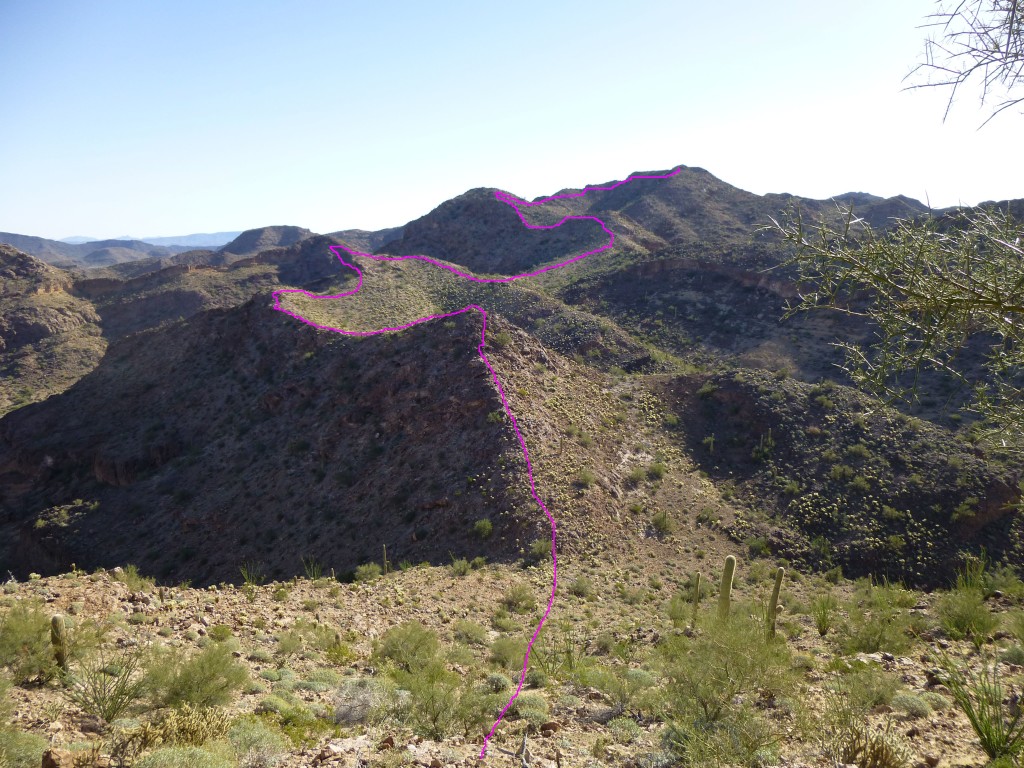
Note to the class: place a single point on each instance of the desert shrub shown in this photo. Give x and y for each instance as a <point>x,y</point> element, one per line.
<point>585,478</point>
<point>508,652</point>
<point>129,576</point>
<point>540,550</point>
<point>357,701</point>
<point>519,598</point>
<point>624,730</point>
<point>21,750</point>
<point>256,744</point>
<point>743,738</point>
<point>408,646</point>
<point>368,572</point>
<point>497,682</point>
<point>911,703</point>
<point>25,643</point>
<point>726,660</point>
<point>460,567</point>
<point>663,524</point>
<point>962,613</point>
<point>936,701</point>
<point>470,632</point>
<point>868,747</point>
<point>823,611</point>
<point>864,685</point>
<point>504,622</point>
<point>979,693</point>
<point>1013,622</point>
<point>483,528</point>
<point>434,693</point>
<point>622,685</point>
<point>881,628</point>
<point>1013,655</point>
<point>656,471</point>
<point>581,586</point>
<point>185,757</point>
<point>529,706</point>
<point>219,633</point>
<point>208,678</point>
<point>107,687</point>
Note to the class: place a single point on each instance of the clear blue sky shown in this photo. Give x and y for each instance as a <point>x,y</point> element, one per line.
<point>164,118</point>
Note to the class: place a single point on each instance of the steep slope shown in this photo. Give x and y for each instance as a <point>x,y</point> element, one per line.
<point>48,337</point>
<point>832,478</point>
<point>243,434</point>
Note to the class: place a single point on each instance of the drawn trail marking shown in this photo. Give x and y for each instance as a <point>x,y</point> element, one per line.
<point>518,205</point>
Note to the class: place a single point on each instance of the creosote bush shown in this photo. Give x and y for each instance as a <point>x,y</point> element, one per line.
<point>408,646</point>
<point>207,678</point>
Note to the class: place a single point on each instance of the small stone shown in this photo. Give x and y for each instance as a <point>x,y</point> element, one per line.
<point>549,728</point>
<point>931,760</point>
<point>388,743</point>
<point>435,763</point>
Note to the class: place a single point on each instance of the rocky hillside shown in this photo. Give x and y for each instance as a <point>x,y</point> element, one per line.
<point>48,337</point>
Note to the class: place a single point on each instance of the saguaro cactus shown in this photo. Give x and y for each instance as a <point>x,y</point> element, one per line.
<point>725,594</point>
<point>59,641</point>
<point>773,606</point>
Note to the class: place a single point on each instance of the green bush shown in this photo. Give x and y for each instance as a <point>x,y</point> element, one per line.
<point>663,524</point>
<point>508,652</point>
<point>582,587</point>
<point>408,646</point>
<point>25,647</point>
<point>585,478</point>
<point>106,687</point>
<point>519,598</point>
<point>741,738</point>
<point>823,611</point>
<point>255,743</point>
<point>185,757</point>
<point>911,703</point>
<point>434,693</point>
<point>460,567</point>
<point>21,750</point>
<point>497,682</point>
<point>470,632</point>
<point>868,747</point>
<point>208,678</point>
<point>962,613</point>
<point>529,706</point>
<point>871,631</point>
<point>727,659</point>
<point>129,576</point>
<point>368,572</point>
<point>624,730</point>
<point>483,528</point>
<point>864,685</point>
<point>980,695</point>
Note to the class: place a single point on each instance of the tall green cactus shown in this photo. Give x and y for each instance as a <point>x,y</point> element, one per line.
<point>725,594</point>
<point>59,641</point>
<point>773,606</point>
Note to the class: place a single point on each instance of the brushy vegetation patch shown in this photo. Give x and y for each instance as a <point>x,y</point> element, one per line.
<point>857,486</point>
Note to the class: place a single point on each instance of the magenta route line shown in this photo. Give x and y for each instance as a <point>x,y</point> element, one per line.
<point>516,204</point>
